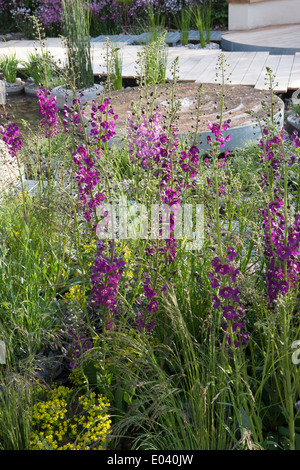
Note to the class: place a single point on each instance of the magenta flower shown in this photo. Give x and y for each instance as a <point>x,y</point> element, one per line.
<point>228,299</point>
<point>226,292</point>
<point>219,139</point>
<point>11,138</point>
<point>106,274</point>
<point>284,252</point>
<point>216,301</point>
<point>222,269</point>
<point>231,254</point>
<point>48,112</point>
<point>80,345</point>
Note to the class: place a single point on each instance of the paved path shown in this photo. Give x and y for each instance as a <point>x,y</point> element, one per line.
<point>283,39</point>
<point>201,66</point>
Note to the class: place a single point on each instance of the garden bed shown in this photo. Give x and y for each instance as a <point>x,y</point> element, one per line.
<point>149,293</point>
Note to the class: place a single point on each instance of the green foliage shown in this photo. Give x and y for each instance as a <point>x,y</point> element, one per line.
<point>15,398</point>
<point>9,66</point>
<point>76,23</point>
<point>153,62</point>
<point>125,4</point>
<point>43,69</point>
<point>156,24</point>
<point>117,73</point>
<point>296,109</point>
<point>177,386</point>
<point>7,23</point>
<point>172,388</point>
<point>203,21</point>
<point>220,13</point>
<point>26,26</point>
<point>183,24</point>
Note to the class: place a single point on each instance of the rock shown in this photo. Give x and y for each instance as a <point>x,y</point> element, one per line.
<point>65,96</point>
<point>12,36</point>
<point>293,123</point>
<point>2,92</point>
<point>209,46</point>
<point>15,88</point>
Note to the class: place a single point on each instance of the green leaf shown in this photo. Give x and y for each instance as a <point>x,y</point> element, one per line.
<point>245,419</point>
<point>127,398</point>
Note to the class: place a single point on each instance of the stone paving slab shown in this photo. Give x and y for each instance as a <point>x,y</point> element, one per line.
<point>172,37</point>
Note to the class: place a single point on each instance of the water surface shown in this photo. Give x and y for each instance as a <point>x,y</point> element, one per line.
<point>19,108</point>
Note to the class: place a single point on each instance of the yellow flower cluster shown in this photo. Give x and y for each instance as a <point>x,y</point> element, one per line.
<point>62,421</point>
<point>91,428</point>
<point>127,255</point>
<point>76,294</point>
<point>77,377</point>
<point>91,248</point>
<point>21,196</point>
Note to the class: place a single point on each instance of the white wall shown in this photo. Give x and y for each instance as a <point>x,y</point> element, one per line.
<point>258,15</point>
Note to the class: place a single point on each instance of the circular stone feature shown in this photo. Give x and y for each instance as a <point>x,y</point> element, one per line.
<point>239,100</point>
<point>16,88</point>
<point>65,96</point>
<point>293,123</point>
<point>31,89</point>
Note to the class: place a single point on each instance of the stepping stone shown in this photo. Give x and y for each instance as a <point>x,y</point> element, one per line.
<point>172,37</point>
<point>126,39</point>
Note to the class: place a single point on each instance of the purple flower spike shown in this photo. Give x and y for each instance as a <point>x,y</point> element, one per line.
<point>228,299</point>
<point>231,254</point>
<point>11,138</point>
<point>226,292</point>
<point>105,278</point>
<point>48,112</point>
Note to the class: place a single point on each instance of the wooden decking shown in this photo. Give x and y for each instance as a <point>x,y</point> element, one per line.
<point>280,40</point>
<point>201,66</point>
<point>241,68</point>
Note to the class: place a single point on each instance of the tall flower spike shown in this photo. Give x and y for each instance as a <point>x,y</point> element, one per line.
<point>11,138</point>
<point>228,299</point>
<point>105,278</point>
<point>48,112</point>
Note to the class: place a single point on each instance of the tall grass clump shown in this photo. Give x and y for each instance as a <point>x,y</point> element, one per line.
<point>15,398</point>
<point>203,21</point>
<point>42,69</point>
<point>75,20</point>
<point>156,24</point>
<point>183,23</point>
<point>178,392</point>
<point>9,67</point>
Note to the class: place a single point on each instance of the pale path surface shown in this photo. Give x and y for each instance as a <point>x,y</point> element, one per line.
<point>283,37</point>
<point>201,66</point>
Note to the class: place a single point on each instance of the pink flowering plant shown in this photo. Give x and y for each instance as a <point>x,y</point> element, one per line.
<point>194,345</point>
<point>106,16</point>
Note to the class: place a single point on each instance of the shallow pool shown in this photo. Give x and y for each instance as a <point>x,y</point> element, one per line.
<point>19,108</point>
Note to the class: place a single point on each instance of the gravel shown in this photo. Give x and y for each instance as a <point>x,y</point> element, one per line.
<point>209,46</point>
<point>9,172</point>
